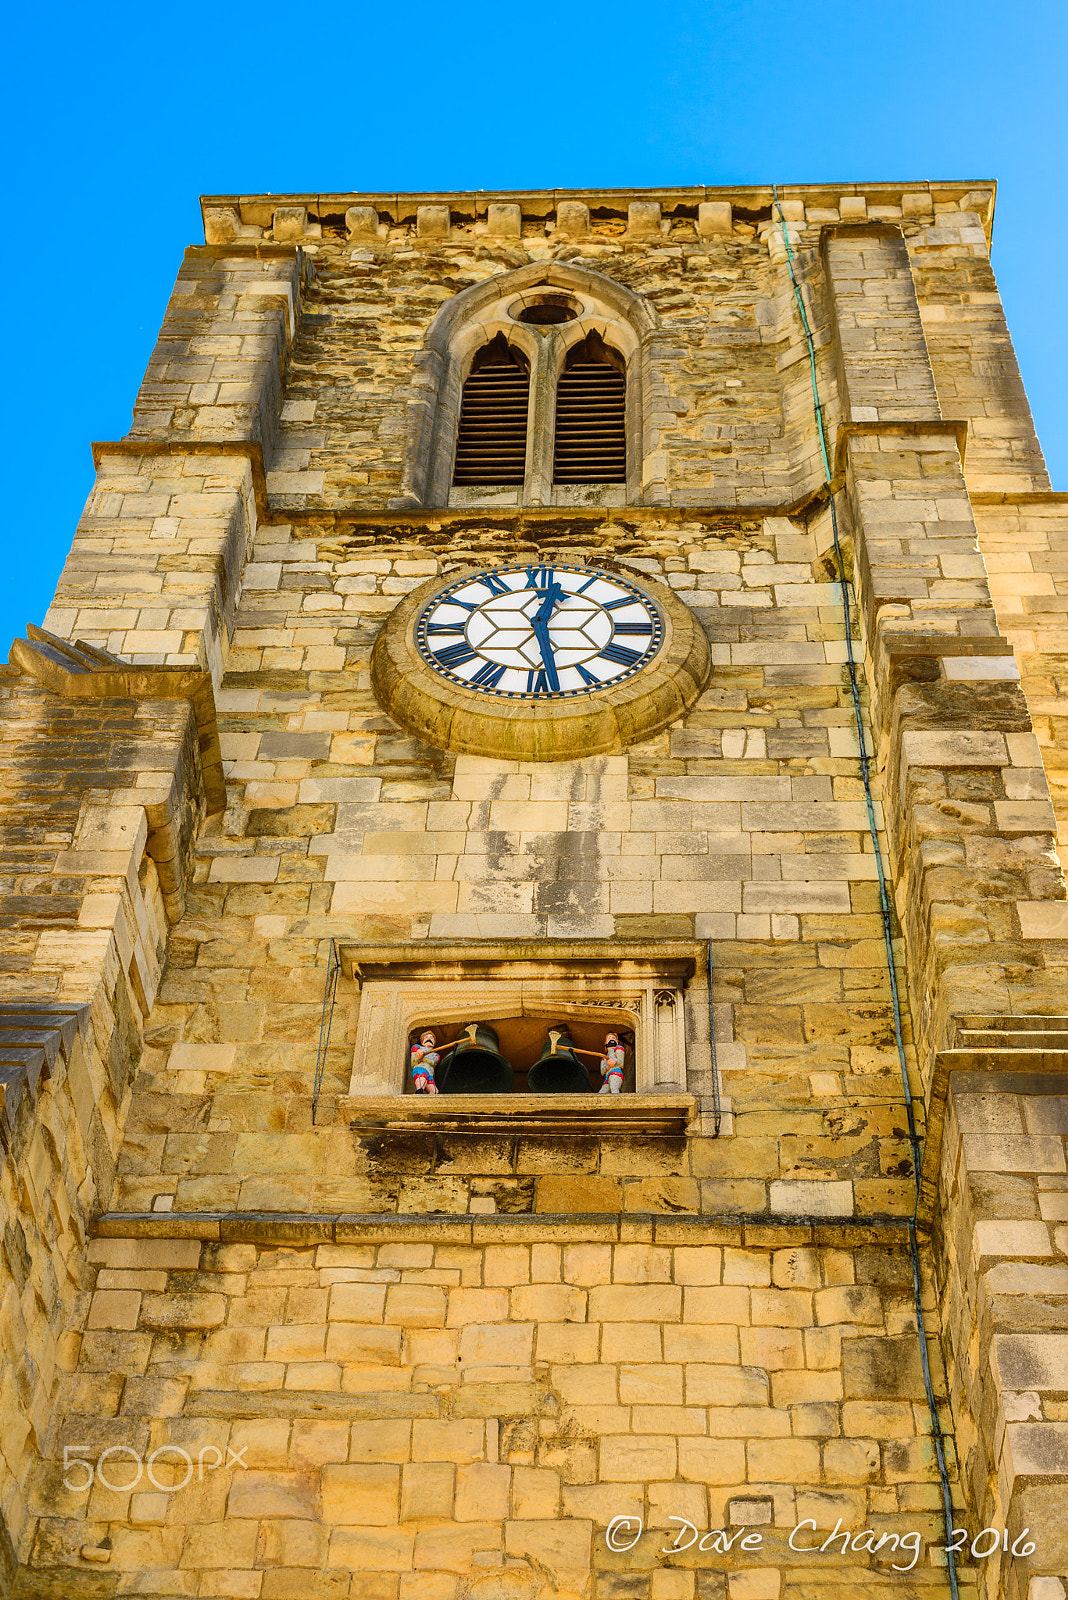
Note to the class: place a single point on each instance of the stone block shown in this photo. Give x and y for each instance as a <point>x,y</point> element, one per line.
<point>452,1546</point>
<point>504,1344</point>
<point>372,1549</point>
<point>882,1369</point>
<point>432,222</point>
<point>643,218</point>
<point>181,1311</point>
<point>853,208</point>
<point>712,1461</point>
<point>1031,1360</point>
<point>811,1197</point>
<point>712,1384</point>
<point>1017,1238</point>
<point>369,1495</point>
<point>415,1305</point>
<point>573,219</point>
<point>699,1266</point>
<point>504,221</point>
<point>559,1548</point>
<point>114,1308</point>
<point>483,1492</point>
<point>1035,1450</point>
<point>535,1493</point>
<point>289,223</point>
<point>357,1302</point>
<point>387,1439</point>
<point>274,1494</point>
<point>427,1490</point>
<point>637,1303</point>
<point>460,1441</point>
<point>361,222</point>
<point>222,224</point>
<point>714,217</point>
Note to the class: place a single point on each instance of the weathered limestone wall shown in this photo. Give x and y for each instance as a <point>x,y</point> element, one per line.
<point>453,1410</point>
<point>1025,546</point>
<point>746,826</point>
<point>1003,1226</point>
<point>83,942</point>
<point>438,1400</point>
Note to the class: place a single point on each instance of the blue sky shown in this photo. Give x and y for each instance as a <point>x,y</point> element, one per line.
<point>119,116</point>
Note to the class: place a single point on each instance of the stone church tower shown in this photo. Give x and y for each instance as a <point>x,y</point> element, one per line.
<point>622,635</point>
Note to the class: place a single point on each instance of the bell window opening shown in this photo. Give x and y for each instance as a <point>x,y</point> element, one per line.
<point>591,403</point>
<point>491,439</point>
<point>521,1055</point>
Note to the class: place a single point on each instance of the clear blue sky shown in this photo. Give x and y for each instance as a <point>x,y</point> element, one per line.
<point>119,116</point>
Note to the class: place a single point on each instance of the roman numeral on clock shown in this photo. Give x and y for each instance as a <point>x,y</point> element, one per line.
<point>620,655</point>
<point>642,629</point>
<point>455,655</point>
<point>491,580</point>
<point>488,676</point>
<point>537,682</point>
<point>449,627</point>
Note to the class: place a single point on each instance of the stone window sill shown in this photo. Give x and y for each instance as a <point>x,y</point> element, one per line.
<point>580,1115</point>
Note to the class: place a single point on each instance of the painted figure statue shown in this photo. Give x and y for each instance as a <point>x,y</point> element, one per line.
<point>424,1059</point>
<point>612,1065</point>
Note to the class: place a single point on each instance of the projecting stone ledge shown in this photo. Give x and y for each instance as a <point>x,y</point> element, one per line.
<point>509,1115</point>
<point>32,1035</point>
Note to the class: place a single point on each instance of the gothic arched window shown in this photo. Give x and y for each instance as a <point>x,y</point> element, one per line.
<point>536,388</point>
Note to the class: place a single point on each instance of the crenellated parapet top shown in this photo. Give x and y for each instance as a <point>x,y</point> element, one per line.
<point>638,215</point>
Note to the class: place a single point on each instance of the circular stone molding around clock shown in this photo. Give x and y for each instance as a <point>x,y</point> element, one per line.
<point>539,661</point>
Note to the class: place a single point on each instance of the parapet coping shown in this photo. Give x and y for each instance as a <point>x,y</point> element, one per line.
<point>311,1228</point>
<point>540,202</point>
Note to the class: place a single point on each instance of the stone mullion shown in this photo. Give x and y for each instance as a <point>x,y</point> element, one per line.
<point>541,424</point>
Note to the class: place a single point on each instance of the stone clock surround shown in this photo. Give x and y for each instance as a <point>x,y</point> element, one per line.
<point>602,723</point>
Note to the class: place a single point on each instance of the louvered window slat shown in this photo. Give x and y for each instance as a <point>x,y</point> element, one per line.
<point>491,441</point>
<point>591,439</point>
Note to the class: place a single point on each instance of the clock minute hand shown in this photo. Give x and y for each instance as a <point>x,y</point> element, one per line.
<point>548,660</point>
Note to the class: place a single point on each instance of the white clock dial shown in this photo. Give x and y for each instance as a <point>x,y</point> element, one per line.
<point>539,632</point>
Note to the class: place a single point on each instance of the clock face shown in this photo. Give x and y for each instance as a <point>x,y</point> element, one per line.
<point>539,632</point>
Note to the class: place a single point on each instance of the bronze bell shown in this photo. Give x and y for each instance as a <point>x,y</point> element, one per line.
<point>474,1064</point>
<point>558,1069</point>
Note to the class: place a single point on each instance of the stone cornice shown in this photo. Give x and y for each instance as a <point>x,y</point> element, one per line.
<point>434,217</point>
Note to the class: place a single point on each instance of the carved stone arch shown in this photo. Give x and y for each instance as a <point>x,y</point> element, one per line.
<point>624,319</point>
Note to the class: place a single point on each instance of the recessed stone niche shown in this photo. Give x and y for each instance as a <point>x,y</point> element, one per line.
<point>524,988</point>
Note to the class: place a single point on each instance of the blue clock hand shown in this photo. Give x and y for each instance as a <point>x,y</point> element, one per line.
<point>548,605</point>
<point>548,660</point>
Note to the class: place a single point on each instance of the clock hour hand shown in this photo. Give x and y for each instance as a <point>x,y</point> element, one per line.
<point>541,633</point>
<point>548,605</point>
